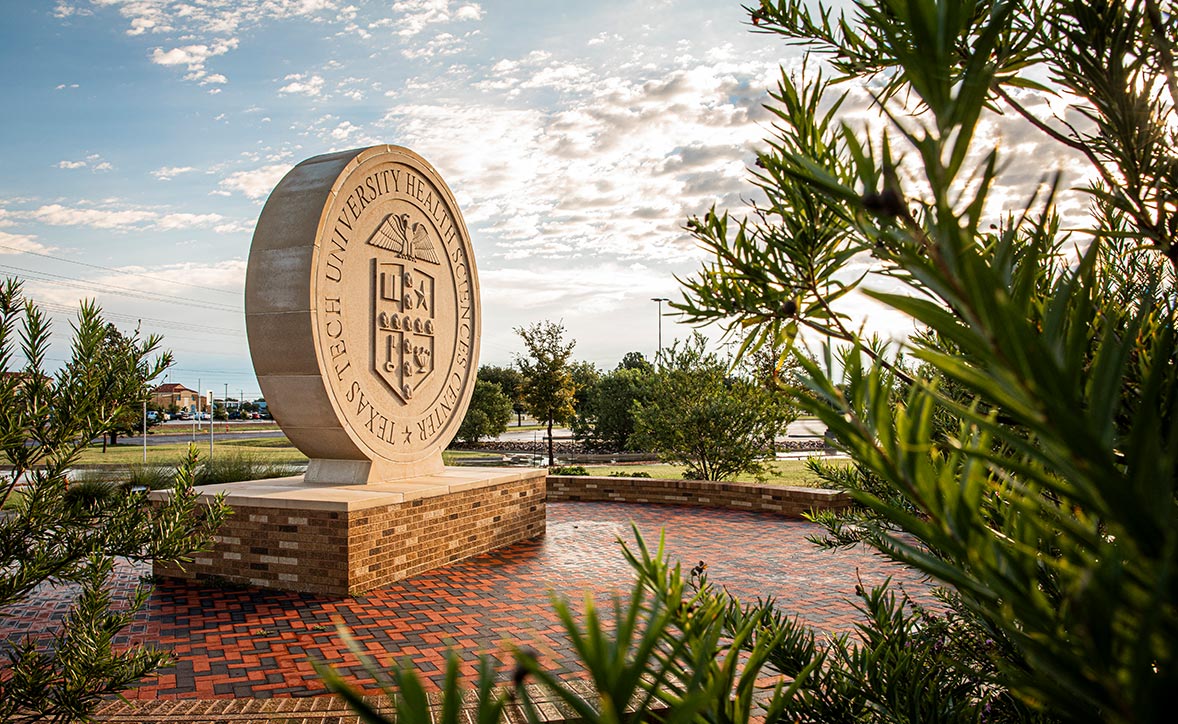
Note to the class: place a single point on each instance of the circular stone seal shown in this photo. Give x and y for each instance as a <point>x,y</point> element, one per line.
<point>362,313</point>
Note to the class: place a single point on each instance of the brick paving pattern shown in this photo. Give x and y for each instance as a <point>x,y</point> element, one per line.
<point>259,644</point>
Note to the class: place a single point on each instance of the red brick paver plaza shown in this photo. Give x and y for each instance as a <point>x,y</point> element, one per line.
<point>253,643</point>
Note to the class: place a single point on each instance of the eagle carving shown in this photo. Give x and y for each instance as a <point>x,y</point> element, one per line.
<point>406,240</point>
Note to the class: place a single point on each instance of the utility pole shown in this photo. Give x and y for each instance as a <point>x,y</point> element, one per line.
<point>196,412</point>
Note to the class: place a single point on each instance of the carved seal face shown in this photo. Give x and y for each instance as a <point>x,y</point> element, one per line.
<point>392,305</point>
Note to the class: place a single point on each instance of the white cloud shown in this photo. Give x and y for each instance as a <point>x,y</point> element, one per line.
<point>167,173</point>
<point>303,84</point>
<point>235,227</point>
<point>191,56</point>
<point>202,31</point>
<point>17,243</point>
<point>65,86</point>
<point>468,12</point>
<point>169,222</point>
<point>194,57</point>
<point>416,15</point>
<point>569,288</point>
<point>93,161</point>
<point>605,307</point>
<point>602,38</point>
<point>65,10</point>
<point>255,183</point>
<point>112,216</point>
<point>441,45</point>
<point>58,215</point>
<point>344,130</point>
<point>611,173</point>
<point>228,275</point>
<point>210,29</point>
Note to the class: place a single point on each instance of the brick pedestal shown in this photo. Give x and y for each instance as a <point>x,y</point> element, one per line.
<point>345,540</point>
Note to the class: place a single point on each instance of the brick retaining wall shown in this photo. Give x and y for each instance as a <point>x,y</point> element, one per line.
<point>792,502</point>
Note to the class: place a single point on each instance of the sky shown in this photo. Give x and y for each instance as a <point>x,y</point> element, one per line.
<point>141,138</point>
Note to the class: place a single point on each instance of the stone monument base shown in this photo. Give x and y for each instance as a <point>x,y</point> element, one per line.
<point>347,539</point>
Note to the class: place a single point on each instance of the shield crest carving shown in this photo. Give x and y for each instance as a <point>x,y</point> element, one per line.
<point>403,307</point>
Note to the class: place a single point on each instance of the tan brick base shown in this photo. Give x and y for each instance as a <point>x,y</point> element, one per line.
<point>345,540</point>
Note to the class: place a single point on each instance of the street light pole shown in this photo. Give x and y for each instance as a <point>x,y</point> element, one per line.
<point>210,404</point>
<point>658,355</point>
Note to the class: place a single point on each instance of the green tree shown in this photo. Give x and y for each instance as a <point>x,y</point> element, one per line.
<point>125,384</point>
<point>1029,463</point>
<point>548,389</point>
<point>607,417</point>
<point>585,376</point>
<point>62,534</point>
<point>488,414</point>
<point>635,361</point>
<point>510,381</point>
<point>700,416</point>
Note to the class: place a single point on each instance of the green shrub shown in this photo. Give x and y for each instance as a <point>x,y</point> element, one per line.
<point>568,470</point>
<point>624,474</point>
<point>89,493</point>
<point>236,467</point>
<point>154,476</point>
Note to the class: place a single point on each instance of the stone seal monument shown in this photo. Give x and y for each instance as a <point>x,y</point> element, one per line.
<point>363,318</point>
<point>362,310</point>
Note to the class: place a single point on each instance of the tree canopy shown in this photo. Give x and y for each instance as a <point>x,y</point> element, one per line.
<point>66,534</point>
<point>699,415</point>
<point>488,413</point>
<point>510,381</point>
<point>548,387</point>
<point>606,419</point>
<point>1027,460</point>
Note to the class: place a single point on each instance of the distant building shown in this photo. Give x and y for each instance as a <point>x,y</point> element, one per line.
<point>176,394</point>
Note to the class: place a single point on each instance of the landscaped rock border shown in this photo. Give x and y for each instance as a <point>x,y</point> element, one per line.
<point>791,502</point>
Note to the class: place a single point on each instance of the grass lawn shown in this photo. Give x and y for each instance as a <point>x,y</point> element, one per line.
<point>264,449</point>
<point>782,472</point>
<point>269,449</point>
<point>278,449</point>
